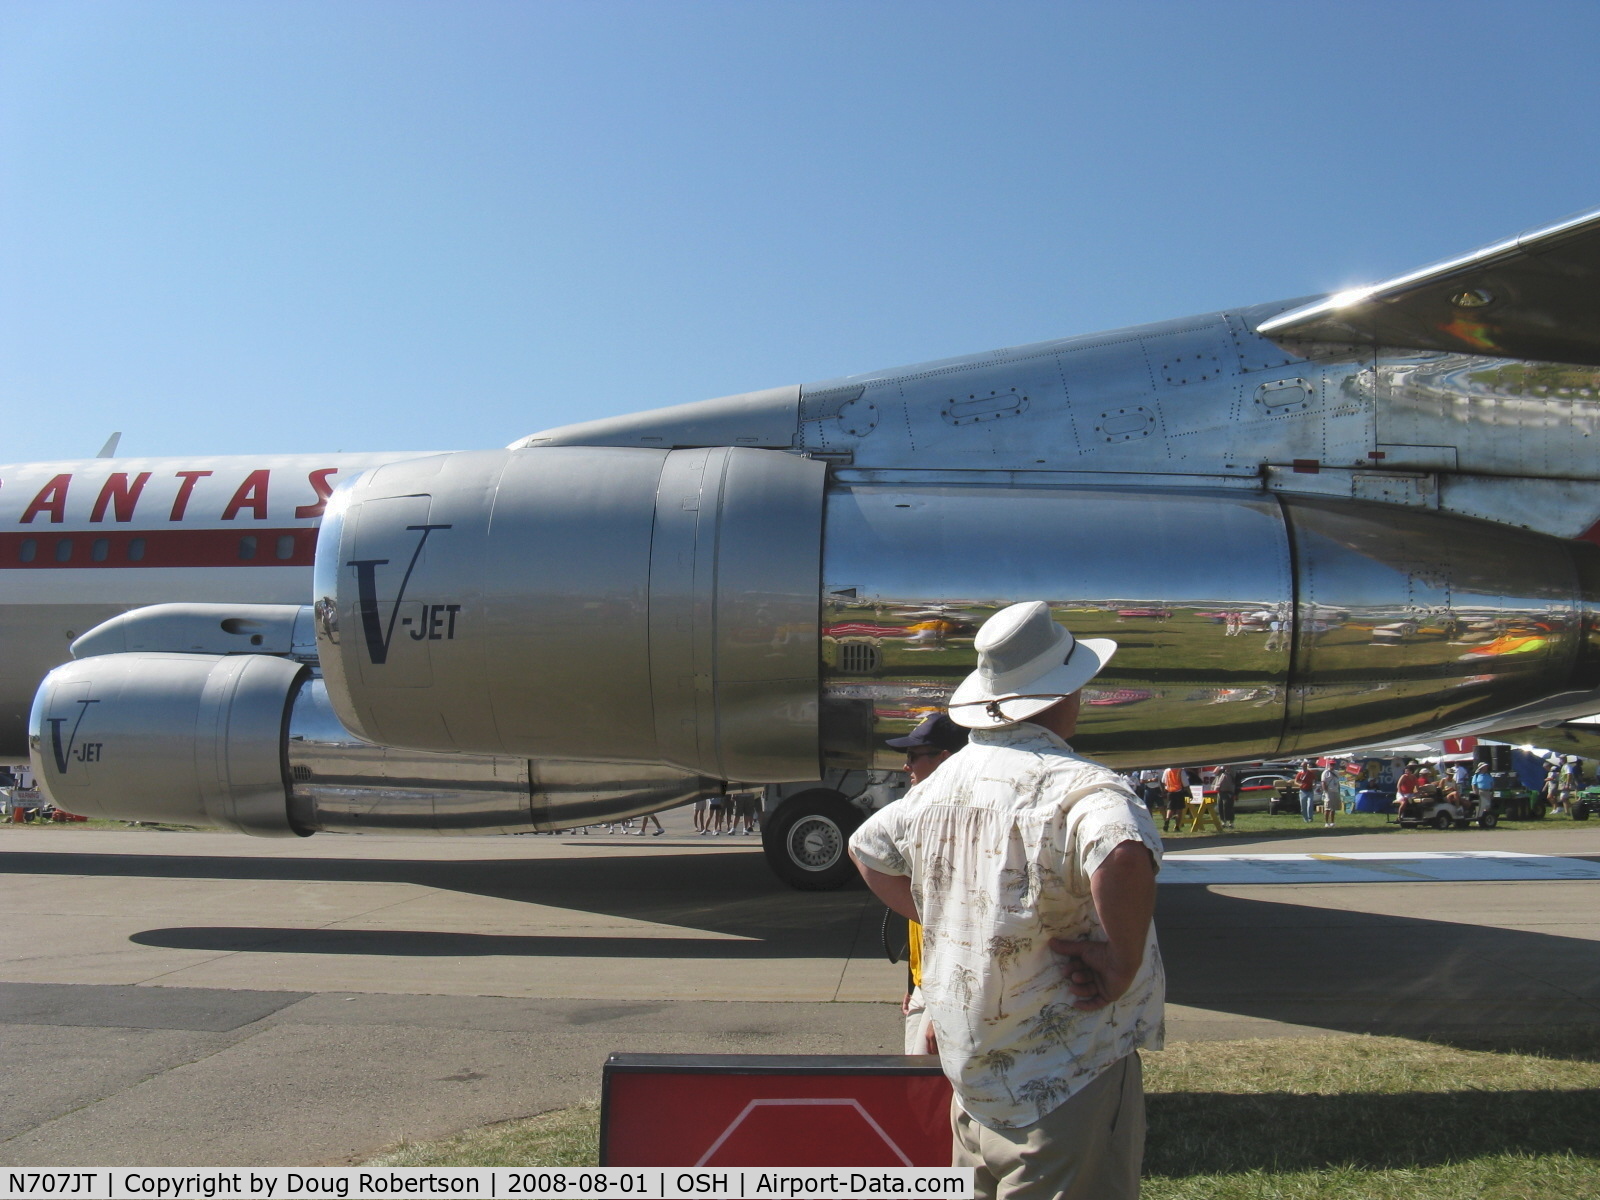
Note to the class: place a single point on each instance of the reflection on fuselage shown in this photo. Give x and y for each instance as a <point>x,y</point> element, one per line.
<point>1318,623</point>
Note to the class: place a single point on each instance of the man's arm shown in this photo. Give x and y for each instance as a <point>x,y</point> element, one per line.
<point>1123,889</point>
<point>893,890</point>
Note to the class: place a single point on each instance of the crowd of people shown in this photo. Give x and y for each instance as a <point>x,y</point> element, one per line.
<point>1168,791</point>
<point>1326,787</point>
<point>732,814</point>
<point>1562,783</point>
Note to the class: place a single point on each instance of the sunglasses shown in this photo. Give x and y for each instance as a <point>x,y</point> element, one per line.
<point>916,752</point>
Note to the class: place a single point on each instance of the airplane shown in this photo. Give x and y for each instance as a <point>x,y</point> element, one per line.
<point>1325,522</point>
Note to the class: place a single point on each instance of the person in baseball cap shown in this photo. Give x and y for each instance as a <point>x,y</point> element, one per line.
<point>929,744</point>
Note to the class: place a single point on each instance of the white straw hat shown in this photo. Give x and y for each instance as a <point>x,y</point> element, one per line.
<point>1026,663</point>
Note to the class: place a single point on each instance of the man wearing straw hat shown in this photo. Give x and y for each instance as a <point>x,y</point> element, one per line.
<point>1032,870</point>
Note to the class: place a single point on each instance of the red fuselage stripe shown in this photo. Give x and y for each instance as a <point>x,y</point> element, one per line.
<point>93,548</point>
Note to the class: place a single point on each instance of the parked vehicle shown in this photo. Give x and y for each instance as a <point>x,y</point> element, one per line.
<point>1284,798</point>
<point>1258,789</point>
<point>1586,802</point>
<point>1521,804</point>
<point>1432,805</point>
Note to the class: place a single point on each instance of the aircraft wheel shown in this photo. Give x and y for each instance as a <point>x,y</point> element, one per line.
<point>807,839</point>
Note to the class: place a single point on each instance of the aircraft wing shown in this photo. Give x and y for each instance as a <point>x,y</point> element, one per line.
<point>1534,296</point>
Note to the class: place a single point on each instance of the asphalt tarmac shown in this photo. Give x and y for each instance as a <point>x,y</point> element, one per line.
<point>193,999</point>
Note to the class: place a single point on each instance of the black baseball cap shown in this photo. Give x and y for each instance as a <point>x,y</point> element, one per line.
<point>938,731</point>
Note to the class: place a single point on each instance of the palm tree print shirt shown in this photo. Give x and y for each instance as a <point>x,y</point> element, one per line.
<point>1000,844</point>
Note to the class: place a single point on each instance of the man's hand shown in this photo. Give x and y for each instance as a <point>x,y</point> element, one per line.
<point>1123,889</point>
<point>1096,974</point>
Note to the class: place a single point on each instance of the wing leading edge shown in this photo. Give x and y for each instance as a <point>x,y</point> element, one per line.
<point>1534,296</point>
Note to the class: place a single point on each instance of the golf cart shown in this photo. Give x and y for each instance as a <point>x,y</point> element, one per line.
<point>1433,805</point>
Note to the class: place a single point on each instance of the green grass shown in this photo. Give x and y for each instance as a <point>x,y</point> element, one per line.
<point>1332,1118</point>
<point>566,1137</point>
<point>1318,1118</point>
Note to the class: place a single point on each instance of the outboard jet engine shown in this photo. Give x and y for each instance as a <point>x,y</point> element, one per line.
<point>237,732</point>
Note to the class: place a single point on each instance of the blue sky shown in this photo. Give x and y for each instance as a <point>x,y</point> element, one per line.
<point>235,227</point>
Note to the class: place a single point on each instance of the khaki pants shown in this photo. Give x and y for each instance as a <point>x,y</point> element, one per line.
<point>917,1025</point>
<point>1089,1148</point>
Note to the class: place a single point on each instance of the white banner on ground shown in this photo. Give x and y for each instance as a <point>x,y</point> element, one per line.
<point>493,1183</point>
<point>1374,866</point>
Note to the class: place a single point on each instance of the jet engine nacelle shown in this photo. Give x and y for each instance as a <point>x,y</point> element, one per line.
<point>683,607</point>
<point>192,739</point>
<point>608,604</point>
<point>248,742</point>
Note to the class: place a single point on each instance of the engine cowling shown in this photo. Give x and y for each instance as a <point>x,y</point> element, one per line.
<point>249,742</point>
<point>595,603</point>
<point>192,739</point>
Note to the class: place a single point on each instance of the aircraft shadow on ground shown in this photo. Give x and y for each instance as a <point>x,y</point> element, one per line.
<point>1382,973</point>
<point>1205,1133</point>
<point>409,943</point>
<point>1379,973</point>
<point>727,893</point>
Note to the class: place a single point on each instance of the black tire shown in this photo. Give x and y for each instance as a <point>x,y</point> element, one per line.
<point>1580,811</point>
<point>1442,819</point>
<point>1488,820</point>
<point>807,838</point>
<point>1539,811</point>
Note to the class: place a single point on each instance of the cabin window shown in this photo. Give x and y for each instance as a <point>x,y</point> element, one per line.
<point>136,550</point>
<point>64,550</point>
<point>286,545</point>
<point>27,551</point>
<point>247,546</point>
<point>100,548</point>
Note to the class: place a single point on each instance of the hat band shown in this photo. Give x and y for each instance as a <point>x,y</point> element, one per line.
<point>1010,696</point>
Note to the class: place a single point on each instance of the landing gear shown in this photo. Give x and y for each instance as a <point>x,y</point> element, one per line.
<point>807,838</point>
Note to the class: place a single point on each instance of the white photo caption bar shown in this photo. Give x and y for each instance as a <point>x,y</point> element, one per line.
<point>493,1183</point>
